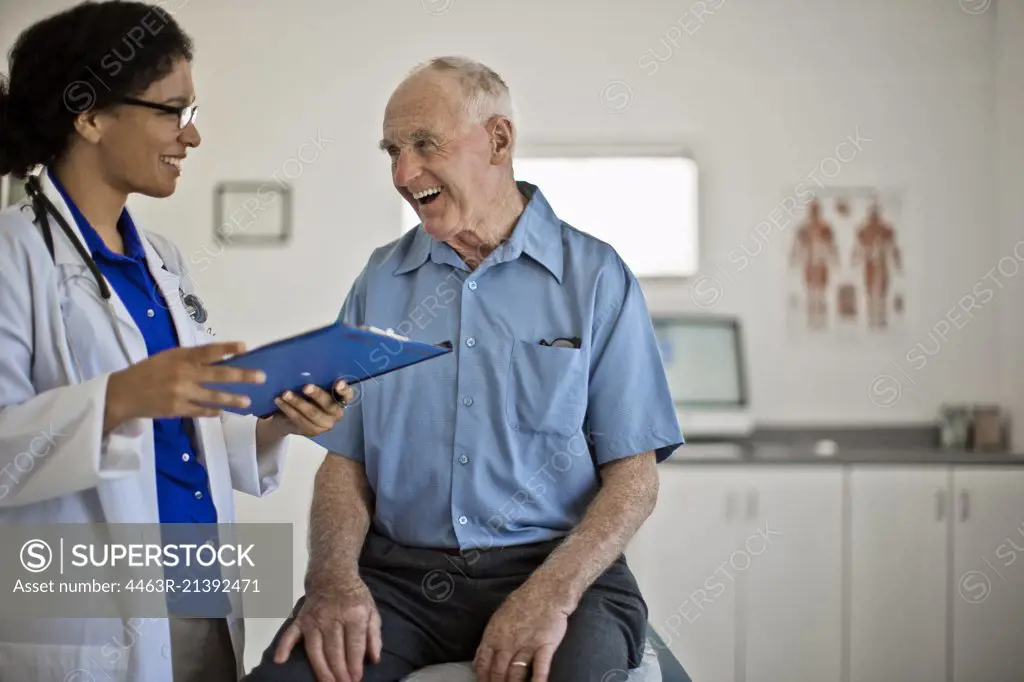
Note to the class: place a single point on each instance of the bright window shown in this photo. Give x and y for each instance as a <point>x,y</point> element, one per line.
<point>644,206</point>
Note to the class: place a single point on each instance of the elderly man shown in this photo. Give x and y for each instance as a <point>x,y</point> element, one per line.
<point>476,506</point>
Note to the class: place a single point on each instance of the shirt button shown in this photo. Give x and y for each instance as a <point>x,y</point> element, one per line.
<point>463,459</point>
<point>472,285</point>
<point>150,313</point>
<point>467,401</point>
<point>199,494</point>
<point>185,457</point>
<point>471,342</point>
<point>463,520</point>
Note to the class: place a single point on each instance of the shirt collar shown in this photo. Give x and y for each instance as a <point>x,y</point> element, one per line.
<point>133,249</point>
<point>537,234</point>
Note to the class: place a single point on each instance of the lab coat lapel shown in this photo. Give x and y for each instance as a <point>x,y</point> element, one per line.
<point>73,269</point>
<point>169,284</point>
<point>209,431</point>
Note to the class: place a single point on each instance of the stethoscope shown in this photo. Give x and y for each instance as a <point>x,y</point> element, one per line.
<point>42,207</point>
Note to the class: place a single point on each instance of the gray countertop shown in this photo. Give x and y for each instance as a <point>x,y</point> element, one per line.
<point>780,454</point>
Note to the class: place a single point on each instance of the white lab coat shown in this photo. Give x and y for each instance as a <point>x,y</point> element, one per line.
<point>55,464</point>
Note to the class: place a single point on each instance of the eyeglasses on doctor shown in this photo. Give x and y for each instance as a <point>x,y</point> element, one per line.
<point>186,114</point>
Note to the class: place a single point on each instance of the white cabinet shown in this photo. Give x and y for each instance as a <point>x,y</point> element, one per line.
<point>988,575</point>
<point>680,557</point>
<point>791,597</point>
<point>741,570</point>
<point>898,601</point>
<point>783,572</point>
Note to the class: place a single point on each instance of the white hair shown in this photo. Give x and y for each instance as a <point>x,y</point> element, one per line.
<point>485,93</point>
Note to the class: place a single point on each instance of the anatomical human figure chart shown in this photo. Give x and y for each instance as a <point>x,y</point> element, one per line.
<point>846,261</point>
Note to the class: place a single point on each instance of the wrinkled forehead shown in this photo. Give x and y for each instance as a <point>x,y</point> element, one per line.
<point>426,102</point>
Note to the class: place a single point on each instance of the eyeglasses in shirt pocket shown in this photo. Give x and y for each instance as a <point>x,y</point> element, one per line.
<point>546,390</point>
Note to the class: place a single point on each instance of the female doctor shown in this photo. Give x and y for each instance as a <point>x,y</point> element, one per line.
<point>103,349</point>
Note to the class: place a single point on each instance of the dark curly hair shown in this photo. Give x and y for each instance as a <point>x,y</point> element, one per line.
<point>86,58</point>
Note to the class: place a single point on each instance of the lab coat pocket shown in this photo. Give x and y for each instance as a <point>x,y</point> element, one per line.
<point>546,390</point>
<point>61,663</point>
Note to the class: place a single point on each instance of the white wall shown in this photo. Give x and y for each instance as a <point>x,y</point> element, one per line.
<point>1009,184</point>
<point>762,93</point>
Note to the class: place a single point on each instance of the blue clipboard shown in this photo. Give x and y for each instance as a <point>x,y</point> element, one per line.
<point>322,357</point>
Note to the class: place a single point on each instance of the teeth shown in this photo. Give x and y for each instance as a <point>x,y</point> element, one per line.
<point>426,192</point>
<point>172,160</point>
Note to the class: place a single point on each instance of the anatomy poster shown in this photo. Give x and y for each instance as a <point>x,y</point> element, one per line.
<point>846,259</point>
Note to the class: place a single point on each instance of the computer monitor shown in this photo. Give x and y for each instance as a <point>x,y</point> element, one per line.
<point>704,362</point>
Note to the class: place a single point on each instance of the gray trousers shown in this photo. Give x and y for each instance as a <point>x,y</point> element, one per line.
<point>435,604</point>
<point>201,650</point>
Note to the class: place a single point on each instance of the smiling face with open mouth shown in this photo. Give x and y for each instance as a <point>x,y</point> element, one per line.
<point>441,163</point>
<point>142,142</point>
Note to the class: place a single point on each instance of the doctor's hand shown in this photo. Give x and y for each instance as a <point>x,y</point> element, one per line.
<point>170,384</point>
<point>341,628</point>
<point>312,415</point>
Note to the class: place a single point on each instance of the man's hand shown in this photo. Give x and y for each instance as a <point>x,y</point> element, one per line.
<point>527,628</point>
<point>340,626</point>
<point>532,622</point>
<point>310,416</point>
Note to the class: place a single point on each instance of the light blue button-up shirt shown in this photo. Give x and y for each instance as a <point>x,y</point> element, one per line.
<point>497,443</point>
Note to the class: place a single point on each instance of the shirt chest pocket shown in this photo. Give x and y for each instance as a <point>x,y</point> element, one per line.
<point>547,389</point>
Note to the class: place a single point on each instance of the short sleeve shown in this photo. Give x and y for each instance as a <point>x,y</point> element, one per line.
<point>630,409</point>
<point>346,438</point>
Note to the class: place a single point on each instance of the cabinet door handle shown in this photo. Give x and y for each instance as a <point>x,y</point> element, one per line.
<point>965,499</point>
<point>940,505</point>
<point>730,505</point>
<point>752,504</point>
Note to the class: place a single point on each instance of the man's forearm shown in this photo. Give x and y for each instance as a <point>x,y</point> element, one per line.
<point>627,496</point>
<point>338,522</point>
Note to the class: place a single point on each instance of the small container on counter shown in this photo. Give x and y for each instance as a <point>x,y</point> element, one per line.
<point>955,427</point>
<point>987,429</point>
